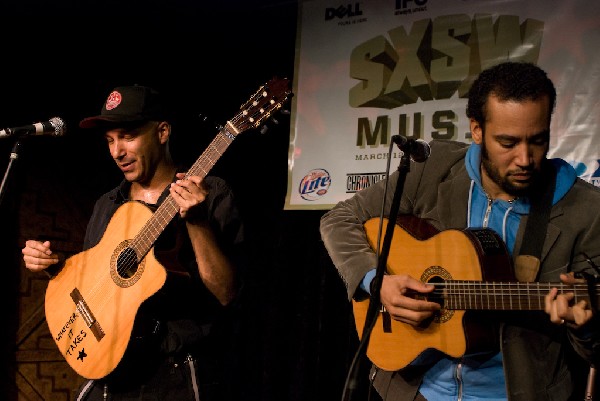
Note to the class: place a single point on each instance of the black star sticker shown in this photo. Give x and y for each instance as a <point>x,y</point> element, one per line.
<point>82,354</point>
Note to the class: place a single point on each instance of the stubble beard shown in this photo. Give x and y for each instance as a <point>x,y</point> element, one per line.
<point>503,182</point>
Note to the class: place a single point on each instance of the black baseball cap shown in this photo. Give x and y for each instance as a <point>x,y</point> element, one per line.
<point>127,105</point>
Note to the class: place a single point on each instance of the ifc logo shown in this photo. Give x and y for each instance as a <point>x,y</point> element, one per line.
<point>314,184</point>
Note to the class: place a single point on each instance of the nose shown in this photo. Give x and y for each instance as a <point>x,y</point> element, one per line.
<point>524,155</point>
<point>116,149</point>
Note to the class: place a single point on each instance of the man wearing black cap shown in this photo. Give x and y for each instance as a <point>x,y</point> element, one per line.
<point>172,353</point>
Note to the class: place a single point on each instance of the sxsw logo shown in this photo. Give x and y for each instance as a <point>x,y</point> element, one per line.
<point>344,11</point>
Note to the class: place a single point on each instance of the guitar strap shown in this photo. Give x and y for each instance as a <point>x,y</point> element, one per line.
<point>527,262</point>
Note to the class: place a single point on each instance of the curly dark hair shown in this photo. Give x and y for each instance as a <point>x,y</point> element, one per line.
<point>510,80</point>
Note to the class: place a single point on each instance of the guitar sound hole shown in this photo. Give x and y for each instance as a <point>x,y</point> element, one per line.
<point>127,263</point>
<point>438,293</point>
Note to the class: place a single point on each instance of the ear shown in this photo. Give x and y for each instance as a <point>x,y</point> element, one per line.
<point>164,131</point>
<point>476,131</point>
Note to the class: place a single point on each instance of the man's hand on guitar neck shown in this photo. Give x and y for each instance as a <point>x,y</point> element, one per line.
<point>405,299</point>
<point>189,193</point>
<point>560,307</point>
<point>38,256</point>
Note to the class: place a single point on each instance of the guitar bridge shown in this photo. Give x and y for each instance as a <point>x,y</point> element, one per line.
<point>86,314</point>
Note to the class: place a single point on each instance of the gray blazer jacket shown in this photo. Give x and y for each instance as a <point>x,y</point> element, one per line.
<point>534,350</point>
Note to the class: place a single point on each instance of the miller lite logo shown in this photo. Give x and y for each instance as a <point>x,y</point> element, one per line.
<point>314,184</point>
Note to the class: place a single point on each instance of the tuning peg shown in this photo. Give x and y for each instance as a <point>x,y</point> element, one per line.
<point>264,129</point>
<point>275,121</point>
<point>285,111</point>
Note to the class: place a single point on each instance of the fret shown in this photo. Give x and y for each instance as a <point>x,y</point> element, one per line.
<point>465,295</point>
<point>470,269</point>
<point>168,209</point>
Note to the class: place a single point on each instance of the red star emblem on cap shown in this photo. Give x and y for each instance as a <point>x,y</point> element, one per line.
<point>113,100</point>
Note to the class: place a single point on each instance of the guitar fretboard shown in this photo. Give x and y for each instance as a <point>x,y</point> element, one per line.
<point>168,209</point>
<point>267,99</point>
<point>465,295</point>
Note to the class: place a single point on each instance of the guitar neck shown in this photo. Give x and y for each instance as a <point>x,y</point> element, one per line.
<point>479,295</point>
<point>269,98</point>
<point>150,232</point>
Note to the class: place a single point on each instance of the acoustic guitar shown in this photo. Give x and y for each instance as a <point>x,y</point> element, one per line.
<point>472,273</point>
<point>91,304</point>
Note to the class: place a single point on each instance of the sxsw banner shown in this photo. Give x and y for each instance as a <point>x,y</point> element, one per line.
<point>367,70</point>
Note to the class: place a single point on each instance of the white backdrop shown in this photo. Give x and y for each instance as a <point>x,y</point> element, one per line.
<point>375,68</point>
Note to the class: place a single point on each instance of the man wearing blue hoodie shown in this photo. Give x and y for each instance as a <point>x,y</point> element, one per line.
<point>490,184</point>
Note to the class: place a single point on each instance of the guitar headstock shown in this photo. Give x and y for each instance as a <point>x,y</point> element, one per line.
<point>269,98</point>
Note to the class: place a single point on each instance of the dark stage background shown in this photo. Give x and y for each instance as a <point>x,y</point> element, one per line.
<point>61,59</point>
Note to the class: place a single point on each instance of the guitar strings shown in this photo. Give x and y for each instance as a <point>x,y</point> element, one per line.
<point>104,290</point>
<point>150,232</point>
<point>502,295</point>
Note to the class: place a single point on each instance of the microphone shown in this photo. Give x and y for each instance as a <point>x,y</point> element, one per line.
<point>55,126</point>
<point>418,149</point>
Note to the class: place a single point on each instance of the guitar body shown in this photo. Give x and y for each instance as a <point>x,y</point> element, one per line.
<point>109,285</point>
<point>439,257</point>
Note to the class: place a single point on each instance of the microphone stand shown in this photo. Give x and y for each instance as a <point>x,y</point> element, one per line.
<point>375,302</point>
<point>14,155</point>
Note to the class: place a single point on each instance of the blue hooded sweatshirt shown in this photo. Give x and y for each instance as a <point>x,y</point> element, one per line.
<point>467,378</point>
